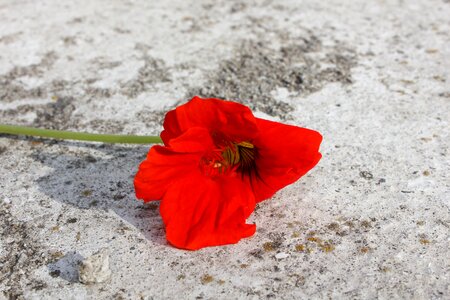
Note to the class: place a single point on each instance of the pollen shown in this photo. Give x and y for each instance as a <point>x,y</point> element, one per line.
<point>212,164</point>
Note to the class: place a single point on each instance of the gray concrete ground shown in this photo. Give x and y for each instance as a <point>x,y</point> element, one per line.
<point>370,221</point>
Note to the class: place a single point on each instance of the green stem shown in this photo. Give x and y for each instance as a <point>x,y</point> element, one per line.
<point>79,136</point>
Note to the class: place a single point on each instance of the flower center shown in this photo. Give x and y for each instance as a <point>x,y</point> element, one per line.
<point>234,156</point>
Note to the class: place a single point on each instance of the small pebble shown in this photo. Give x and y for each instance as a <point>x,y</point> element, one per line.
<point>95,269</point>
<point>281,255</point>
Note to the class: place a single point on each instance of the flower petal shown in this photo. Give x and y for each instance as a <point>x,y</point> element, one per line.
<point>285,153</point>
<point>231,119</point>
<point>167,164</point>
<point>199,211</point>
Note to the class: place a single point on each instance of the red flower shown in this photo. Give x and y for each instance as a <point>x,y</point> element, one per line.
<point>217,162</point>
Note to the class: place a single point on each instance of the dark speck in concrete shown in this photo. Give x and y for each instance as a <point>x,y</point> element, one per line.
<point>72,220</point>
<point>366,175</point>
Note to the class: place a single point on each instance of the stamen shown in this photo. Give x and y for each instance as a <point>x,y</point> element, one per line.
<point>246,145</point>
<point>242,155</point>
<point>234,156</point>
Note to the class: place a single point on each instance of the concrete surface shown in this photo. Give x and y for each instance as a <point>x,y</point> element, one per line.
<point>370,221</point>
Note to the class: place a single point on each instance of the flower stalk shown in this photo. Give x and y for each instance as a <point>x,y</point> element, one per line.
<point>79,136</point>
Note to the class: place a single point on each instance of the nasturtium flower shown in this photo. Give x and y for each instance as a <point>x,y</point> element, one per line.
<point>217,162</point>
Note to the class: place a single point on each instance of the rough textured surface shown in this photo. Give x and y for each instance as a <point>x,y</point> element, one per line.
<point>95,268</point>
<point>371,221</point>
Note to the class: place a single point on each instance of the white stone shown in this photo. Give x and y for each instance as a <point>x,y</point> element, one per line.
<point>95,268</point>
<point>281,255</point>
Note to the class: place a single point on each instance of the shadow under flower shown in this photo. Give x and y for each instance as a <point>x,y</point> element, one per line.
<point>99,176</point>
